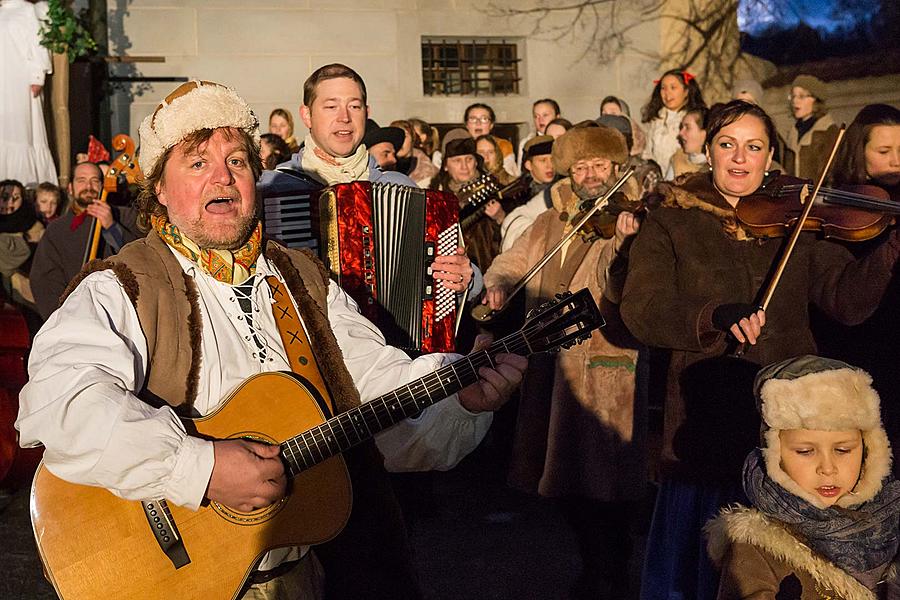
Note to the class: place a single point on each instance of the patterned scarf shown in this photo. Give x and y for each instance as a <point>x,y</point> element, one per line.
<point>227,266</point>
<point>856,540</point>
<point>330,170</point>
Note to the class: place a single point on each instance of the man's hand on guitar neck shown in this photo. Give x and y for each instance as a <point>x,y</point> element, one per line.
<point>246,475</point>
<point>494,385</point>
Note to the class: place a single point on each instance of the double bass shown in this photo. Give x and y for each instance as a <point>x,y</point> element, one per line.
<point>125,163</point>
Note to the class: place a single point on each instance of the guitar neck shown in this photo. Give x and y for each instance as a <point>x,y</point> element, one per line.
<point>360,424</point>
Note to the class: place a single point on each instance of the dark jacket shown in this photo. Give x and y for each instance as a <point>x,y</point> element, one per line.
<point>60,255</point>
<point>689,257</point>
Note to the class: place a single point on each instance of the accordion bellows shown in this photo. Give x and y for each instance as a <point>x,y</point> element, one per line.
<point>378,241</point>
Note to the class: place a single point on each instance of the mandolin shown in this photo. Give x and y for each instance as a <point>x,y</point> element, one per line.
<point>92,542</point>
<point>476,195</point>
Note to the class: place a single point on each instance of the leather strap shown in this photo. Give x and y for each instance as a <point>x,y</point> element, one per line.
<point>294,339</point>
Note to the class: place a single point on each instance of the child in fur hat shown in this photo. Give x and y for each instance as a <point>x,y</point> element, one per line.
<point>824,522</point>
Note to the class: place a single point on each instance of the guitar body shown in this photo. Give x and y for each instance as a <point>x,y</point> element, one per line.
<point>96,545</point>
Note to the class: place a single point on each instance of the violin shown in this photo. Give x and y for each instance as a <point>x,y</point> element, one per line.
<point>602,224</point>
<point>125,163</point>
<point>853,213</point>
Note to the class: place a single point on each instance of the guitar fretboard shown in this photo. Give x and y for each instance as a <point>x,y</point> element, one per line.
<point>357,425</point>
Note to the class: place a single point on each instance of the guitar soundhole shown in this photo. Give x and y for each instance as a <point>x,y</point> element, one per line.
<point>249,518</point>
<point>260,515</point>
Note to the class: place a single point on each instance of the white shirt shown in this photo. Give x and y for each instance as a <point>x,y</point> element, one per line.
<point>90,358</point>
<point>520,219</point>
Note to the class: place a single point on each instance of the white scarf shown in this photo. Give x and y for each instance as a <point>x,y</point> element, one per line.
<point>330,170</point>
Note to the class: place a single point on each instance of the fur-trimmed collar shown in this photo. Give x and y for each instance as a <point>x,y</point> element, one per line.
<point>739,524</point>
<point>697,191</point>
<point>821,124</point>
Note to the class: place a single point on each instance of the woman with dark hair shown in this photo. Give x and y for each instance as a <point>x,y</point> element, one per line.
<point>810,140</point>
<point>273,150</point>
<point>675,93</point>
<point>870,153</point>
<point>695,276</point>
<point>557,127</point>
<point>411,160</point>
<point>281,123</point>
<point>20,232</point>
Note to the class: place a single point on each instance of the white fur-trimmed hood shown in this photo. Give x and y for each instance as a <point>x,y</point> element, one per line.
<point>739,524</point>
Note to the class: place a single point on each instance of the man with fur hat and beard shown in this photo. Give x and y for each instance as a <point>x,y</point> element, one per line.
<point>825,506</point>
<point>176,321</point>
<point>60,254</point>
<point>580,435</point>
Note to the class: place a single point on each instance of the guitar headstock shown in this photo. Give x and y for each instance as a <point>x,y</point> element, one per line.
<point>562,323</point>
<point>479,190</point>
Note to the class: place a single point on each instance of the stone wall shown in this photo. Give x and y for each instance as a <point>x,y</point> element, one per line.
<point>265,49</point>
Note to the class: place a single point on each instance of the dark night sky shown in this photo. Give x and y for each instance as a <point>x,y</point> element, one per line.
<point>755,15</point>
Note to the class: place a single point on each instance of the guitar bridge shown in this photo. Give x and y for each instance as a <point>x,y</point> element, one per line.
<point>165,531</point>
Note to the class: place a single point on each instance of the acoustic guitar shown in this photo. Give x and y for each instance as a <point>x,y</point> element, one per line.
<point>96,545</point>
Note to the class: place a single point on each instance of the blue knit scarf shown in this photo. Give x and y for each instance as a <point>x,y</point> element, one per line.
<point>856,540</point>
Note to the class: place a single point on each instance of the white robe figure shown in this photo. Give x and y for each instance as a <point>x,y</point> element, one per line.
<point>24,152</point>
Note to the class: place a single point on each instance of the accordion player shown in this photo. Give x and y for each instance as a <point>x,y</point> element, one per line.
<point>378,241</point>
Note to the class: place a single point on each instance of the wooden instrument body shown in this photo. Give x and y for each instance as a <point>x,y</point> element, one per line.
<point>96,545</point>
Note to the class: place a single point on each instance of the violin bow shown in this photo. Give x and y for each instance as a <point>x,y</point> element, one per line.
<point>482,314</point>
<point>798,228</point>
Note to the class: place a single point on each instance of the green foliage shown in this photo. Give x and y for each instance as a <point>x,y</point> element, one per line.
<point>63,32</point>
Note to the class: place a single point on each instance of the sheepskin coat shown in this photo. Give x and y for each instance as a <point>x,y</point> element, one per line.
<point>582,418</point>
<point>761,559</point>
<point>689,257</point>
<point>806,156</point>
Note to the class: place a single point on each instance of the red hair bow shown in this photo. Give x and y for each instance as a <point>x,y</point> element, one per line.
<point>688,77</point>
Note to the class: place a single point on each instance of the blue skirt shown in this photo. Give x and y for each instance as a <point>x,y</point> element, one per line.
<point>676,565</point>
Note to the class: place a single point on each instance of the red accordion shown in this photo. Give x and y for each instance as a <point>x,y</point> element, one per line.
<point>379,241</point>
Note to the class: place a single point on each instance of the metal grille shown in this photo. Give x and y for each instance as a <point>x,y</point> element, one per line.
<point>464,67</point>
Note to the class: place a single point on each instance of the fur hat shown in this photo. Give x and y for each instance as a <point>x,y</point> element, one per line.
<point>810,392</point>
<point>584,143</point>
<point>193,106</point>
<point>813,85</point>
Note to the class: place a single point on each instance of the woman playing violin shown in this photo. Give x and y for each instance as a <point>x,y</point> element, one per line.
<point>694,283</point>
<point>580,434</point>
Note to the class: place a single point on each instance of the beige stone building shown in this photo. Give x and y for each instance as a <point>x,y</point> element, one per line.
<point>265,49</point>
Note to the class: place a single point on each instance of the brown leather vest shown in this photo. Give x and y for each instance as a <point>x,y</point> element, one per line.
<point>371,557</point>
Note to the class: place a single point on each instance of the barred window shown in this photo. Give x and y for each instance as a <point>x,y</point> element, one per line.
<point>469,66</point>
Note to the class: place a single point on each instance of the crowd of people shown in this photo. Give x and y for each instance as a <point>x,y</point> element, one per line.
<point>174,316</point>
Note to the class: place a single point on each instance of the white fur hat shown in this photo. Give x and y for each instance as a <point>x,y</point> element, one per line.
<point>810,392</point>
<point>192,106</point>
